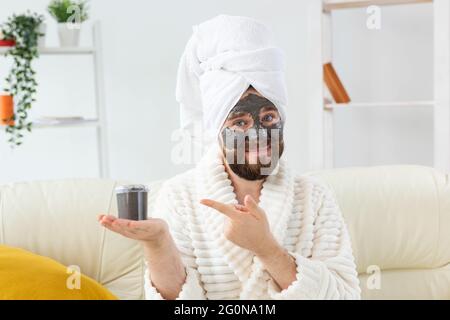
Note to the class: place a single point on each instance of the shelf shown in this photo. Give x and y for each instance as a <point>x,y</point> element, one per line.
<point>330,5</point>
<point>359,105</point>
<point>98,119</point>
<point>68,123</point>
<point>59,50</point>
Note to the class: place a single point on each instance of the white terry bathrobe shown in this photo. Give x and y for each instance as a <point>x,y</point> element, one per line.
<point>303,217</point>
<point>302,212</point>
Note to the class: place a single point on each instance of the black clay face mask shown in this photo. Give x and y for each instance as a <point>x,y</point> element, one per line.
<point>252,137</point>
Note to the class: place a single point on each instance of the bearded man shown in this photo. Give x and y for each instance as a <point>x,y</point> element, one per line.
<point>240,225</point>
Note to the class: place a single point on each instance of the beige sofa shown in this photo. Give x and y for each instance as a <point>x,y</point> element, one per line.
<point>398,217</point>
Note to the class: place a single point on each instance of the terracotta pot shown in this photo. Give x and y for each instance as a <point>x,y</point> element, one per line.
<point>6,110</point>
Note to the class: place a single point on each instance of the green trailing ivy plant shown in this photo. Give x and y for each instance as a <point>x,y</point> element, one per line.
<point>21,82</point>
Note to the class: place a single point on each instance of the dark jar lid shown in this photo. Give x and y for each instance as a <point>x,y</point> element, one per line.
<point>131,188</point>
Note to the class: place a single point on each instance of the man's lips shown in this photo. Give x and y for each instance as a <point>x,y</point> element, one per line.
<point>260,149</point>
<point>254,147</point>
<point>254,155</point>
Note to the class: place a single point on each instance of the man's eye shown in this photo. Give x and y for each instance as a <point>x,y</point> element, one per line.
<point>239,123</point>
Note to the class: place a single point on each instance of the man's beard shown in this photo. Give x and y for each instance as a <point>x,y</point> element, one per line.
<point>254,171</point>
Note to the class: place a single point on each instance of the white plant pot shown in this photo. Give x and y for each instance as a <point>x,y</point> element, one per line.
<point>41,39</point>
<point>69,34</point>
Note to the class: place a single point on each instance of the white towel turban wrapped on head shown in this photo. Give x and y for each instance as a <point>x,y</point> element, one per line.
<point>223,57</point>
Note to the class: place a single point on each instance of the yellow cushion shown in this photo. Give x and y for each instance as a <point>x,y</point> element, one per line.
<point>25,275</point>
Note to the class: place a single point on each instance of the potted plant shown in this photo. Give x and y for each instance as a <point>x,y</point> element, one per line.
<point>69,15</point>
<point>4,42</point>
<point>21,82</point>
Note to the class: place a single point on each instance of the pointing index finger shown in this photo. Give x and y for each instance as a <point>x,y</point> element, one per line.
<point>223,208</point>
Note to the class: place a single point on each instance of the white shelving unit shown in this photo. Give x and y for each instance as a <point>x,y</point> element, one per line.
<point>322,134</point>
<point>100,121</point>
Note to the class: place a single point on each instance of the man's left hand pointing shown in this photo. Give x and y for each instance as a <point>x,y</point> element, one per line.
<point>246,226</point>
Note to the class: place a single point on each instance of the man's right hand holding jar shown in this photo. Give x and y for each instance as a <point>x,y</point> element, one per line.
<point>164,260</point>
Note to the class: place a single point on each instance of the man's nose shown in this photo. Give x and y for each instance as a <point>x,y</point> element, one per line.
<point>255,133</point>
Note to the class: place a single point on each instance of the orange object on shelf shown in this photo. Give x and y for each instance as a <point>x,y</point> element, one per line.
<point>334,84</point>
<point>6,110</point>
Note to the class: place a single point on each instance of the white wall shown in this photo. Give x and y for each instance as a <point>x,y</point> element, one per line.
<point>394,63</point>
<point>143,41</point>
